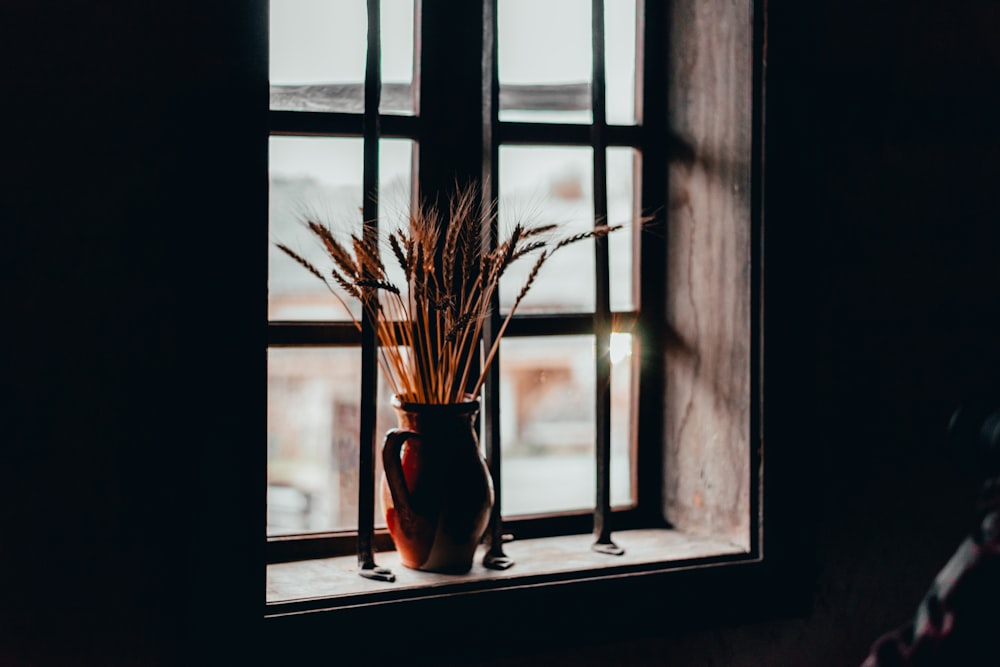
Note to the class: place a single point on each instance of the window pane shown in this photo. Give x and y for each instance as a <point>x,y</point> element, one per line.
<point>544,184</point>
<point>317,54</point>
<point>318,51</point>
<point>542,78</point>
<point>547,424</point>
<point>623,245</point>
<point>397,57</point>
<point>620,60</point>
<point>624,376</point>
<point>313,422</point>
<point>312,439</point>
<point>322,177</point>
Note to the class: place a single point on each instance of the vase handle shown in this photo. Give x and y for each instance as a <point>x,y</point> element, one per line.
<point>393,465</point>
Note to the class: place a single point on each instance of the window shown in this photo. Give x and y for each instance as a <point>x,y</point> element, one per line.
<point>624,400</point>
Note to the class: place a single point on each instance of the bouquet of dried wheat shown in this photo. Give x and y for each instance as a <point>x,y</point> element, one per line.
<point>429,331</point>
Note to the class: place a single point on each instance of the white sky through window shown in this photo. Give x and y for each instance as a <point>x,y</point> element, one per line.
<point>318,41</point>
<point>324,41</point>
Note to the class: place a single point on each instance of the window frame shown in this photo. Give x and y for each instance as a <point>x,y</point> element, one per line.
<point>473,134</point>
<point>769,582</point>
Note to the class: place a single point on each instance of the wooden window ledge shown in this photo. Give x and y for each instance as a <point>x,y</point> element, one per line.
<point>328,583</point>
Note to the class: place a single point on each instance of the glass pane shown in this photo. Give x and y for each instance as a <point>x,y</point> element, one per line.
<point>624,375</point>
<point>322,177</point>
<point>620,60</point>
<point>313,430</point>
<point>317,55</point>
<point>541,185</point>
<point>318,51</point>
<point>623,245</point>
<point>541,78</point>
<point>397,57</point>
<point>312,439</point>
<point>547,424</point>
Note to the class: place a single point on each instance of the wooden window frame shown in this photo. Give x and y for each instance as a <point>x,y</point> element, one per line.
<point>470,130</point>
<point>771,578</point>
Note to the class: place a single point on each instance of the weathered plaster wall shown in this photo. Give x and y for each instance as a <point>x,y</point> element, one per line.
<point>707,402</point>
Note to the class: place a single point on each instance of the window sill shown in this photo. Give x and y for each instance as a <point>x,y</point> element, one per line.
<point>331,583</point>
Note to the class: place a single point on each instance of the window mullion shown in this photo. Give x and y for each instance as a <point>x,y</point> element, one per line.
<point>337,124</point>
<point>451,95</point>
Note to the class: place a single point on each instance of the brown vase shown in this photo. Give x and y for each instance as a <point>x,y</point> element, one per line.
<point>436,490</point>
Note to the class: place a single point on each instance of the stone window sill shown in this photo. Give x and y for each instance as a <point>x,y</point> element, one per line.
<point>329,583</point>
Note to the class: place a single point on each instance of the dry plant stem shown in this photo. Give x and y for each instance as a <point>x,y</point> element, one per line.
<point>503,327</point>
<point>429,336</point>
<point>479,302</point>
<point>383,362</point>
<point>389,350</point>
<point>600,231</point>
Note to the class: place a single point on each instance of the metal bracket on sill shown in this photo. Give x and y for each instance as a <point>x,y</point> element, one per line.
<point>608,547</point>
<point>495,558</point>
<point>373,571</point>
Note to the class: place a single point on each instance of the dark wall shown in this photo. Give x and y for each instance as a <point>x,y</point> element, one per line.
<point>133,347</point>
<point>129,239</point>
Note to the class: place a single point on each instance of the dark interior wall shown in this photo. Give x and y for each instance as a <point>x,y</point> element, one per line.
<point>129,237</point>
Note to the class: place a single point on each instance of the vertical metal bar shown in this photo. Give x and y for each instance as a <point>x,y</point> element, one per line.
<point>369,362</point>
<point>602,292</point>
<point>495,558</point>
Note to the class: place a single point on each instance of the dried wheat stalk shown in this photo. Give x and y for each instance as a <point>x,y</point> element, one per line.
<point>429,330</point>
